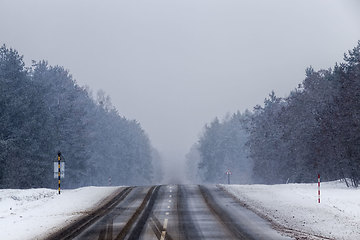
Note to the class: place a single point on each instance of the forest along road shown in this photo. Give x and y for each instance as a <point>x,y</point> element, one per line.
<point>171,212</point>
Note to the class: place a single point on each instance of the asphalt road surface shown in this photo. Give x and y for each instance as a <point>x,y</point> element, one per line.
<point>172,212</point>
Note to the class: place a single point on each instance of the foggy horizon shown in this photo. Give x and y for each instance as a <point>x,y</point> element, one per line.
<point>175,66</point>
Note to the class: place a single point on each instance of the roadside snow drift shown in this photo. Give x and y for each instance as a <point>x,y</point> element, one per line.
<point>34,213</point>
<point>295,206</point>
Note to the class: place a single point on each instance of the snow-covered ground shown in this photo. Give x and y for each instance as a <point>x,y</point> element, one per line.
<point>295,206</point>
<point>34,213</point>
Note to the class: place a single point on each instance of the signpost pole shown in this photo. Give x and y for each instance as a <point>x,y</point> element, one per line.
<point>59,158</point>
<point>319,188</point>
<point>228,173</point>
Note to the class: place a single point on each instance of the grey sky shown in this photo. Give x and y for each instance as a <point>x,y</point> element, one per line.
<point>175,65</point>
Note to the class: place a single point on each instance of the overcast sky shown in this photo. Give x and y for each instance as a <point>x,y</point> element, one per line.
<point>174,65</point>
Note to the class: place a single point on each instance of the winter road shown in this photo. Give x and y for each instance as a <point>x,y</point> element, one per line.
<point>172,212</point>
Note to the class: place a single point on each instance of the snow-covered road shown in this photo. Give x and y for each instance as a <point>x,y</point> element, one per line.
<point>35,213</point>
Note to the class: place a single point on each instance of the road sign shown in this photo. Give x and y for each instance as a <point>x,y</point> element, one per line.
<point>56,169</point>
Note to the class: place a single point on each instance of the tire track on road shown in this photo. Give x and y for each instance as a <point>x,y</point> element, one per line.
<point>83,223</point>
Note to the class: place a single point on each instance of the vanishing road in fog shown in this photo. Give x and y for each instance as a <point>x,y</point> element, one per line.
<point>171,212</point>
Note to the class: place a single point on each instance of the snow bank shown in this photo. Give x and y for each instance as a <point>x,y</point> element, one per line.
<point>34,213</point>
<point>295,206</point>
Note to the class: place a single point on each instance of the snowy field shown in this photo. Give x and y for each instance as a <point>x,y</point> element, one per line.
<point>34,213</point>
<point>295,206</point>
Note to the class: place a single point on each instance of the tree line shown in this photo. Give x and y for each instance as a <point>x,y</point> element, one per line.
<point>43,110</point>
<point>315,129</point>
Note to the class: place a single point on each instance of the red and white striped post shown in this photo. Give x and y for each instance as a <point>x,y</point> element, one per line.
<point>319,188</point>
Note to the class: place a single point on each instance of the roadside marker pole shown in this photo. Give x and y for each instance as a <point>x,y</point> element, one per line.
<point>59,168</point>
<point>59,154</point>
<point>319,188</point>
<point>228,173</point>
